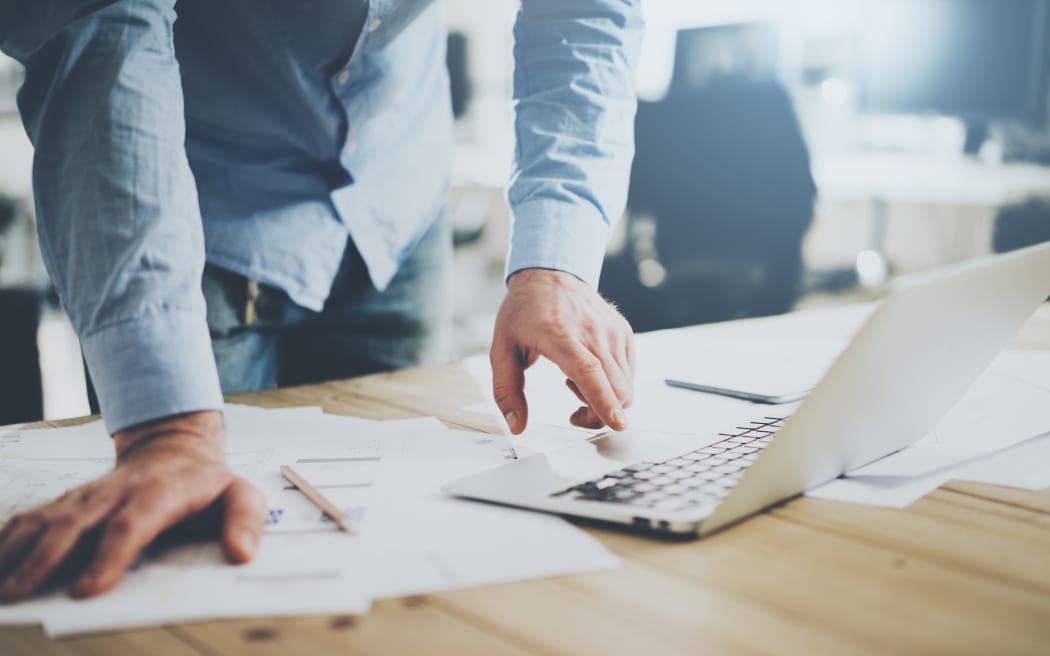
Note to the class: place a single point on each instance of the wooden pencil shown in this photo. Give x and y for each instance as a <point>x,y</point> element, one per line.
<point>318,499</point>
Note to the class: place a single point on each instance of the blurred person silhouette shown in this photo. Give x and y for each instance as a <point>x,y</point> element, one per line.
<point>723,173</point>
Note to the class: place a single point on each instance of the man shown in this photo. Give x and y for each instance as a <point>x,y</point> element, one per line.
<point>301,150</point>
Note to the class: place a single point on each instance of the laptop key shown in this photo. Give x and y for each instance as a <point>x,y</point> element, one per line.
<point>712,450</point>
<point>647,475</point>
<point>698,467</point>
<point>744,450</point>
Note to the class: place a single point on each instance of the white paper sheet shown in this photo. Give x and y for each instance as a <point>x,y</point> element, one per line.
<point>292,574</point>
<point>1009,403</point>
<point>1007,406</point>
<point>1023,466</point>
<point>386,475</point>
<point>422,541</point>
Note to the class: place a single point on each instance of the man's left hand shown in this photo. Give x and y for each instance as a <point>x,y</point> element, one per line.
<point>558,316</point>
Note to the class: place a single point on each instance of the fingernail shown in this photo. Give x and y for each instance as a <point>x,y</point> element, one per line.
<point>248,542</point>
<point>512,418</point>
<point>619,419</point>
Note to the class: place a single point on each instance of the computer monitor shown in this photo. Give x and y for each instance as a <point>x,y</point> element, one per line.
<point>980,60</point>
<point>739,50</point>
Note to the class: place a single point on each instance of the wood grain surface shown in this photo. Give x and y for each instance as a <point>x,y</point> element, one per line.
<point>965,570</point>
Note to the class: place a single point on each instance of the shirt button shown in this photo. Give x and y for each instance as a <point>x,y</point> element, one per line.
<point>374,25</point>
<point>344,77</point>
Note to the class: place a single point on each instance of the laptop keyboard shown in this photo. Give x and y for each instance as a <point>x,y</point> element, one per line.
<point>699,477</point>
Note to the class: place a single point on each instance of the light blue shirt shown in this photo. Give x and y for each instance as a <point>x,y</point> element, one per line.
<point>261,136</point>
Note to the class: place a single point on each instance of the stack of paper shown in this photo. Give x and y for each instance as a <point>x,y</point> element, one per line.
<point>987,437</point>
<point>385,475</point>
<point>421,540</point>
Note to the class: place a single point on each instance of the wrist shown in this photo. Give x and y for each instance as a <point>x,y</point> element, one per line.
<point>525,276</point>
<point>199,434</point>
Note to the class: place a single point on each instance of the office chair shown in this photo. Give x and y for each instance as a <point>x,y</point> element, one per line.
<point>724,172</point>
<point>1020,225</point>
<point>21,390</point>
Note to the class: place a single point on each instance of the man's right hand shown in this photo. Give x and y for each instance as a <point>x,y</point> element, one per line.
<point>166,472</point>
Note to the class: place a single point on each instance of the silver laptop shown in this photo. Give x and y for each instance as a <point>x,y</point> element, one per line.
<point>907,366</point>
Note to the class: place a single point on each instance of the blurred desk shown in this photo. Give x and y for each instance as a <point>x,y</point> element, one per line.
<point>918,212</point>
<point>909,179</point>
<point>963,571</point>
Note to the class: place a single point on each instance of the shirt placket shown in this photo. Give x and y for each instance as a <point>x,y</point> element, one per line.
<point>377,9</point>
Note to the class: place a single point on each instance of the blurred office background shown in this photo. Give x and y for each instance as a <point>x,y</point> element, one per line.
<point>788,155</point>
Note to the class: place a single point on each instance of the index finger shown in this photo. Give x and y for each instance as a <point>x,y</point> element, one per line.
<point>126,534</point>
<point>588,371</point>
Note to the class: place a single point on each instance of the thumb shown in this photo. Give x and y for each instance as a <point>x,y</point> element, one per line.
<point>508,384</point>
<point>243,521</point>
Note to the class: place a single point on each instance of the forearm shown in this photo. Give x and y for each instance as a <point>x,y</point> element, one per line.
<point>117,213</point>
<point>575,105</point>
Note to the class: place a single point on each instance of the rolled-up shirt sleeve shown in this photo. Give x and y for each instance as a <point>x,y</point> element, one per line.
<point>117,212</point>
<point>575,106</point>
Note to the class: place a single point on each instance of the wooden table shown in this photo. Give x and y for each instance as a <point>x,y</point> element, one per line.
<point>964,570</point>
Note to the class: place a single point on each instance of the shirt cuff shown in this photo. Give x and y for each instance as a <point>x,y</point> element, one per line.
<point>158,364</point>
<point>553,234</point>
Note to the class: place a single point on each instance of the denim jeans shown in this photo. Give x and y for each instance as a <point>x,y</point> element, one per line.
<point>261,339</point>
